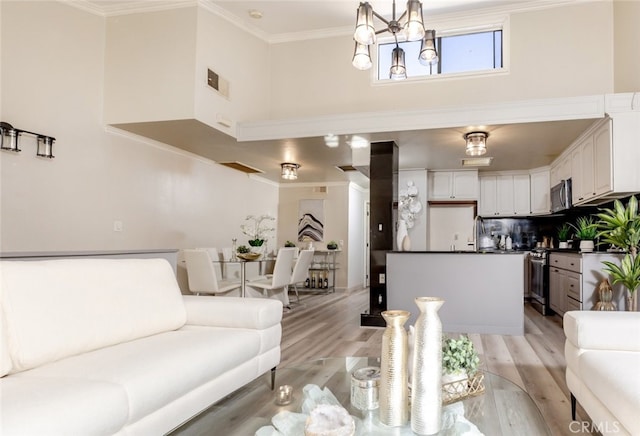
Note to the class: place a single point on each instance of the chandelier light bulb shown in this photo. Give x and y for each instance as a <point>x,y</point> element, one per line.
<point>361,57</point>
<point>414,28</point>
<point>365,32</point>
<point>428,51</point>
<point>398,69</point>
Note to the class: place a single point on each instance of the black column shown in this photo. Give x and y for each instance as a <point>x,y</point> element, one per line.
<point>383,194</point>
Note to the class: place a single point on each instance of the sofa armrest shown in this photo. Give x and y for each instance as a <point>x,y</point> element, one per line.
<point>233,312</point>
<point>596,330</point>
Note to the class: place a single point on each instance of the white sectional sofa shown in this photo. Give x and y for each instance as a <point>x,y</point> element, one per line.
<point>602,351</point>
<point>104,346</point>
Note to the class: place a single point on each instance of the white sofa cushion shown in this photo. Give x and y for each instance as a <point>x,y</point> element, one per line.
<point>612,377</point>
<point>112,301</point>
<point>595,330</point>
<point>5,359</point>
<point>61,406</point>
<point>156,370</point>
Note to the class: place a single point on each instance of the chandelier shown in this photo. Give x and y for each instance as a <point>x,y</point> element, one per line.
<point>408,26</point>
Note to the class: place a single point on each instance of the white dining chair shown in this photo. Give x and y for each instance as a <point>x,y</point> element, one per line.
<point>202,277</point>
<point>301,270</point>
<point>214,254</point>
<point>276,285</point>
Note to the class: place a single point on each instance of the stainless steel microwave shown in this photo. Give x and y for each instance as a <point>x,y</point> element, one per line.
<point>561,196</point>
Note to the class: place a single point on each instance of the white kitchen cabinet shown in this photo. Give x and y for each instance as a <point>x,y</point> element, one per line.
<point>487,205</point>
<point>504,195</point>
<point>540,189</point>
<point>582,170</point>
<point>560,169</point>
<point>453,185</point>
<point>521,194</point>
<point>574,279</point>
<point>591,164</point>
<point>602,150</point>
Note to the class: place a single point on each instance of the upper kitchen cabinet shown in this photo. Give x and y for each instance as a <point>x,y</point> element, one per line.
<point>174,76</point>
<point>540,189</point>
<point>560,169</point>
<point>504,194</point>
<point>604,161</point>
<point>453,185</point>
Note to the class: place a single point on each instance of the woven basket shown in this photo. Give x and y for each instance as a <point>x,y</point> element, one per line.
<point>459,390</point>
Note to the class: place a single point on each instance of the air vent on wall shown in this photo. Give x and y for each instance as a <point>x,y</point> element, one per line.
<point>218,83</point>
<point>321,189</point>
<point>241,167</point>
<point>346,168</point>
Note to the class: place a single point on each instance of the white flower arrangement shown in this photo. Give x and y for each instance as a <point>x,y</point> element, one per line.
<point>257,230</point>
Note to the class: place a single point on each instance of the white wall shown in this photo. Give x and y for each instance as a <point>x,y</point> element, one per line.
<point>150,60</point>
<point>357,252</point>
<point>52,65</point>
<point>417,234</point>
<point>557,52</point>
<point>626,46</point>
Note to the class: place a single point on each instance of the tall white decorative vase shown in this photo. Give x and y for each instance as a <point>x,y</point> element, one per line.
<point>402,236</point>
<point>426,380</point>
<point>394,389</point>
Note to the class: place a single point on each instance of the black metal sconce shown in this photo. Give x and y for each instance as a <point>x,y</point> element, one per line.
<point>10,140</point>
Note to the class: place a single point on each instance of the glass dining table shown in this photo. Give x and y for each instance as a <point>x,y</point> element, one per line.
<point>263,262</point>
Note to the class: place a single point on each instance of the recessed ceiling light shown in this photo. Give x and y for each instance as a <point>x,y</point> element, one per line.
<point>256,14</point>
<point>358,142</point>
<point>476,161</point>
<point>331,140</point>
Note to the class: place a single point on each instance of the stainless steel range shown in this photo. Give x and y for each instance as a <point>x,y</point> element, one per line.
<point>539,280</point>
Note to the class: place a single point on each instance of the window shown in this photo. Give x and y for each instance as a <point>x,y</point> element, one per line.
<point>469,52</point>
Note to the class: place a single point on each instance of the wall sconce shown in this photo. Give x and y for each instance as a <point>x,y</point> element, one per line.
<point>289,170</point>
<point>476,143</point>
<point>10,140</point>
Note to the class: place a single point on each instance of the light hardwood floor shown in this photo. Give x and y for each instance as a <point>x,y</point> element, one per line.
<point>328,325</point>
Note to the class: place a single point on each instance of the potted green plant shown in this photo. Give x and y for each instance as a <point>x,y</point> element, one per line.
<point>586,230</point>
<point>620,227</point>
<point>332,245</point>
<point>564,231</point>
<point>289,244</point>
<point>459,361</point>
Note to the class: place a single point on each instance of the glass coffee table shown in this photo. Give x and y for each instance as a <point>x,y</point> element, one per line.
<point>503,409</point>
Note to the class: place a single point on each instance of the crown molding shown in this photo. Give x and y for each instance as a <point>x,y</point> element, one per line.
<point>126,8</point>
<point>233,19</point>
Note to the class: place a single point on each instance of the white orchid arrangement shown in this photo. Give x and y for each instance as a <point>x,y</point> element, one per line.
<point>409,205</point>
<point>257,229</point>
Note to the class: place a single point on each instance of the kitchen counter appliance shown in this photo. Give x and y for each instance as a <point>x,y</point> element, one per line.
<point>561,196</point>
<point>539,280</point>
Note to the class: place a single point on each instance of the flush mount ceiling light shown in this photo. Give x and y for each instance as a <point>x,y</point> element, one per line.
<point>408,27</point>
<point>289,170</point>
<point>476,143</point>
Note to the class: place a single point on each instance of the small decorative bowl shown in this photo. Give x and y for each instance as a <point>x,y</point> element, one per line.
<point>249,256</point>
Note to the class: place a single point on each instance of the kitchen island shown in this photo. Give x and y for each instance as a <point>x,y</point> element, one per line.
<point>483,291</point>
